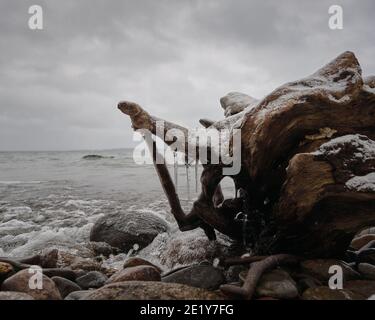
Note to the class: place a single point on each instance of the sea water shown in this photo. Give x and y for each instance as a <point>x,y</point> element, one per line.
<point>52,199</point>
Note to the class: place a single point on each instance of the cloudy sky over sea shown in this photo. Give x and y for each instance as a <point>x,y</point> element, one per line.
<point>59,86</point>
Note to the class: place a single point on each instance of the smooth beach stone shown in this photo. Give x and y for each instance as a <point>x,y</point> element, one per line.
<point>92,279</point>
<point>20,283</point>
<point>368,258</point>
<point>235,102</point>
<point>65,286</point>
<point>58,272</point>
<point>77,295</point>
<point>6,270</point>
<point>102,248</point>
<point>178,248</point>
<point>319,269</point>
<point>86,264</point>
<point>199,276</point>
<point>367,270</point>
<point>125,230</point>
<point>276,284</point>
<point>49,258</point>
<point>80,273</point>
<point>232,274</point>
<point>307,281</point>
<point>360,241</point>
<point>141,273</point>
<point>367,231</point>
<point>325,293</point>
<point>365,288</point>
<point>149,290</point>
<point>12,295</point>
<point>136,261</point>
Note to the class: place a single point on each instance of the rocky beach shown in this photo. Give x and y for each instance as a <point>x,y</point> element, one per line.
<point>101,271</point>
<point>299,227</point>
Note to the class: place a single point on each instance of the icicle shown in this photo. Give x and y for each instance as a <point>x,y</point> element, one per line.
<point>242,217</point>
<point>244,230</point>
<point>196,175</point>
<point>175,164</point>
<point>187,180</point>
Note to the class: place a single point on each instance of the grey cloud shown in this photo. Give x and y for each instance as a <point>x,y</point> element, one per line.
<point>59,87</point>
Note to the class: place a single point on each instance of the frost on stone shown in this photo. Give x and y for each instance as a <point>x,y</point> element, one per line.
<point>364,147</point>
<point>236,102</point>
<point>175,249</point>
<point>354,156</point>
<point>362,183</point>
<point>369,84</point>
<point>335,80</point>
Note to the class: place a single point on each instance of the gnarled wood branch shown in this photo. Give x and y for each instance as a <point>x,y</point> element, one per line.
<point>298,198</point>
<point>254,274</point>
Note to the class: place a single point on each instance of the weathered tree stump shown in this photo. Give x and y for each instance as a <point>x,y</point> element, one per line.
<point>307,176</point>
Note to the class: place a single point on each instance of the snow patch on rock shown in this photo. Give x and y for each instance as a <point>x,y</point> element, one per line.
<point>236,102</point>
<point>362,183</point>
<point>364,146</point>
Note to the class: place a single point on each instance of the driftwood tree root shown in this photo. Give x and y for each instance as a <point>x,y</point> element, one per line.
<point>254,274</point>
<point>305,150</point>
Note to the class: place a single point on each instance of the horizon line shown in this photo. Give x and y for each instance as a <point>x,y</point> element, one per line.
<point>66,150</point>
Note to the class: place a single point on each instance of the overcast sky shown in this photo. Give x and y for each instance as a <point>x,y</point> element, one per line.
<point>59,87</point>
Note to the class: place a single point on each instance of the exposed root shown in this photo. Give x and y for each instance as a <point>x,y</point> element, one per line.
<point>255,273</point>
<point>301,146</point>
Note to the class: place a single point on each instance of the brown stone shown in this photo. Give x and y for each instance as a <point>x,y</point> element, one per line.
<point>65,286</point>
<point>11,295</point>
<point>150,290</point>
<point>136,261</point>
<point>367,231</point>
<point>199,276</point>
<point>20,283</point>
<point>325,293</point>
<point>92,279</point>
<point>49,258</point>
<point>367,270</point>
<point>359,242</point>
<point>319,269</point>
<point>86,264</point>
<point>365,288</point>
<point>140,273</point>
<point>277,284</point>
<point>123,230</point>
<point>6,270</point>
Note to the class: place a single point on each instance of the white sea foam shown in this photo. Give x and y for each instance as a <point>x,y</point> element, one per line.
<point>24,231</point>
<point>55,203</point>
<point>47,237</point>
